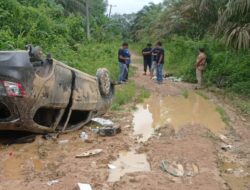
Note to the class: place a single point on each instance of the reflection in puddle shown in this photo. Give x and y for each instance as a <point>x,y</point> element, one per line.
<point>143,121</point>
<point>128,162</point>
<point>176,111</point>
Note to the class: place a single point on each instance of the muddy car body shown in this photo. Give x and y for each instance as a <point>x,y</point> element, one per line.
<point>44,95</point>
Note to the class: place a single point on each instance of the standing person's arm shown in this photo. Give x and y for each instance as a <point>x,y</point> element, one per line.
<point>161,57</point>
<point>200,61</point>
<point>121,56</point>
<point>144,52</point>
<point>124,58</point>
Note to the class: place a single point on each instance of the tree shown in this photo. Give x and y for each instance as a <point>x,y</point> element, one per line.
<point>234,23</point>
<point>145,21</point>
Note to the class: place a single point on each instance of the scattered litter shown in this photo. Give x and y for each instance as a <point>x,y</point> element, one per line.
<point>106,128</point>
<point>84,186</point>
<point>109,131</point>
<point>89,153</point>
<point>127,126</point>
<point>154,78</point>
<point>103,122</point>
<point>63,141</point>
<point>177,169</point>
<point>52,136</point>
<point>226,147</point>
<point>84,136</point>
<point>243,119</point>
<point>191,169</point>
<point>174,169</point>
<point>240,173</point>
<point>223,138</point>
<point>111,166</point>
<point>229,170</point>
<point>167,75</point>
<point>52,182</point>
<point>174,79</point>
<point>95,130</point>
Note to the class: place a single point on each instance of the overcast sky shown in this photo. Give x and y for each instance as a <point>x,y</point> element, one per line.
<point>129,6</point>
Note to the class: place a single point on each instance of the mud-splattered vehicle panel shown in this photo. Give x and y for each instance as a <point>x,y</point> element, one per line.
<point>44,95</point>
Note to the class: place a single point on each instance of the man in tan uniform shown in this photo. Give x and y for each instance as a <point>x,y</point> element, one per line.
<point>200,66</point>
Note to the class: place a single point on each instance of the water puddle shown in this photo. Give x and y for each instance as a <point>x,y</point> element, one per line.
<point>128,162</point>
<point>176,111</point>
<point>236,176</point>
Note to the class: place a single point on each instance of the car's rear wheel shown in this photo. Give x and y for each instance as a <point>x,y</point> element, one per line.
<point>104,82</point>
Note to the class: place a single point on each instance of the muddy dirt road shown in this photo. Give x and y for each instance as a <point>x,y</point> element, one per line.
<point>176,128</point>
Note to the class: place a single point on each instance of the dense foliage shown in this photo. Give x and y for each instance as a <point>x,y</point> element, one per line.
<point>226,68</point>
<point>196,18</point>
<point>60,27</point>
<point>221,26</point>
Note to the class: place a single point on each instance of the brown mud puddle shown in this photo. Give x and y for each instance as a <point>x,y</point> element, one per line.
<point>128,162</point>
<point>176,111</point>
<point>236,176</point>
<point>22,158</point>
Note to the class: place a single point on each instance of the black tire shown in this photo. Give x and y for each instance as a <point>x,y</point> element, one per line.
<point>105,86</point>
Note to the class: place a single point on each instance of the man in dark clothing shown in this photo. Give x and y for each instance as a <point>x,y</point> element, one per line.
<point>123,59</point>
<point>158,58</point>
<point>147,58</point>
<point>128,62</point>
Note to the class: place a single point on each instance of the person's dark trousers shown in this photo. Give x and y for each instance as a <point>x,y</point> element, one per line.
<point>126,74</point>
<point>147,64</point>
<point>159,72</point>
<point>123,72</point>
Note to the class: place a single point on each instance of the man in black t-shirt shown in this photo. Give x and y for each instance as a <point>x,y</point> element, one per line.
<point>158,59</point>
<point>147,58</point>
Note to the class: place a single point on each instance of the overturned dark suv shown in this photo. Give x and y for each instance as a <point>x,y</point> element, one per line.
<point>43,95</point>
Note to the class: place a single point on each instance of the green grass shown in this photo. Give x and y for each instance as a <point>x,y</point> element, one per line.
<point>143,94</point>
<point>89,57</point>
<point>127,93</point>
<point>124,94</point>
<point>184,93</point>
<point>202,95</point>
<point>240,102</point>
<point>225,118</point>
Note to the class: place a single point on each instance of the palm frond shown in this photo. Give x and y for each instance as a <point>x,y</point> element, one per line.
<point>238,36</point>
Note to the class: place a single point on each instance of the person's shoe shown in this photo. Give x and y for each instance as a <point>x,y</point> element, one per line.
<point>121,82</point>
<point>145,73</point>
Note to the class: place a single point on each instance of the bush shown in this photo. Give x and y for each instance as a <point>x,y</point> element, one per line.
<point>226,68</point>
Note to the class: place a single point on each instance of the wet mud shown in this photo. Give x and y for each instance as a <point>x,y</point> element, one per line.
<point>181,130</point>
<point>177,112</point>
<point>128,162</point>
